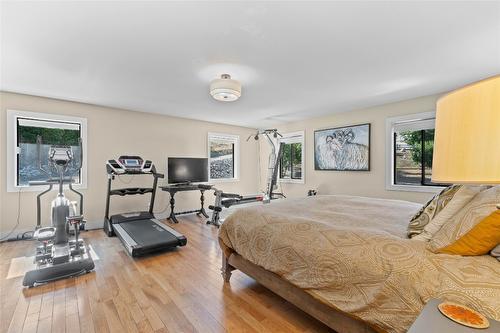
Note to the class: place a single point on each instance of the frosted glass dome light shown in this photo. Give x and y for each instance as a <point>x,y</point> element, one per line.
<point>225,89</point>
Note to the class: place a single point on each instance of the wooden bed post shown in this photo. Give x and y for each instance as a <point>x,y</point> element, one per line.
<point>226,268</point>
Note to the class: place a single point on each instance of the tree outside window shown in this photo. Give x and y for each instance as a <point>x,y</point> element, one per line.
<point>413,151</point>
<point>291,161</point>
<point>51,133</point>
<point>291,164</point>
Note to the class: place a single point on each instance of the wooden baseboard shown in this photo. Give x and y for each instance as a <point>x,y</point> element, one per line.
<point>331,317</point>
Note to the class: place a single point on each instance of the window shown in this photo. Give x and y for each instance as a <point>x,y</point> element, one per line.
<point>413,157</point>
<point>223,153</point>
<point>411,147</point>
<point>23,129</point>
<point>291,167</point>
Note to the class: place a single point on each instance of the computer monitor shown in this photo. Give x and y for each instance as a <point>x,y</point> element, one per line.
<point>187,170</point>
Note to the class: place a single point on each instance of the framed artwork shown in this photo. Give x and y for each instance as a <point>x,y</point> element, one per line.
<point>342,148</point>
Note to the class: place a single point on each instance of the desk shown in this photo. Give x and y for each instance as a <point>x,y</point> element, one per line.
<point>174,188</point>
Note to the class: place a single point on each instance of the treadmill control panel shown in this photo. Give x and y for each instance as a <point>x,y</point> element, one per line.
<point>130,165</point>
<point>131,162</point>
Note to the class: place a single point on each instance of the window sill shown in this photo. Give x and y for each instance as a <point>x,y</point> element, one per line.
<point>41,188</point>
<point>224,180</point>
<point>291,181</point>
<point>414,188</point>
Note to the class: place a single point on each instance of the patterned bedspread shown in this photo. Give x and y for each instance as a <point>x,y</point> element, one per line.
<point>352,254</point>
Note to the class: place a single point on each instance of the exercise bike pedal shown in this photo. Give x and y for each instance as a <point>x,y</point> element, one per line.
<point>42,257</point>
<point>47,247</point>
<point>72,242</point>
<point>45,234</point>
<point>78,252</point>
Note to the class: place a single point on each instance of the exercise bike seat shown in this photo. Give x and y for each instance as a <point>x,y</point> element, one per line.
<point>45,234</point>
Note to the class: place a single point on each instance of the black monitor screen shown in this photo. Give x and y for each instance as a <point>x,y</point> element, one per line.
<point>187,170</point>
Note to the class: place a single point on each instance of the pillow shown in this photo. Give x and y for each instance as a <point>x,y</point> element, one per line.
<point>496,252</point>
<point>430,210</point>
<point>482,205</point>
<point>463,195</point>
<point>481,239</point>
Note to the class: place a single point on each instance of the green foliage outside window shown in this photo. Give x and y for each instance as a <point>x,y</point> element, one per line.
<point>414,139</point>
<point>50,136</point>
<point>297,153</point>
<point>291,161</point>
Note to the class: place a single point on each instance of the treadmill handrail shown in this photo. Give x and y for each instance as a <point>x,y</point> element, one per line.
<point>131,191</point>
<point>137,172</point>
<point>111,192</point>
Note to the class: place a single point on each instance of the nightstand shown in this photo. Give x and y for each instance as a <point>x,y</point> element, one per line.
<point>431,320</point>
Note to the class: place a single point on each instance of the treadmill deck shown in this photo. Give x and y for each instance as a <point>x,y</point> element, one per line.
<point>143,236</point>
<point>148,233</point>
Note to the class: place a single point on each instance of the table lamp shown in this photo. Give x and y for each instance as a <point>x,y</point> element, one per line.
<point>467,136</point>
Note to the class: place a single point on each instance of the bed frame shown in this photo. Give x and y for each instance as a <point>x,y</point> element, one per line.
<point>333,318</point>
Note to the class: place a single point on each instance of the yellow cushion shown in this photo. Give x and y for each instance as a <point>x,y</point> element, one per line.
<point>480,240</point>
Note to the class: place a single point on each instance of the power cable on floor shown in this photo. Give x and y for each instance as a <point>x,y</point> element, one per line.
<point>6,238</point>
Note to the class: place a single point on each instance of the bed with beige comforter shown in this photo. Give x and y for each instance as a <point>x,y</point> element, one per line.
<point>352,254</point>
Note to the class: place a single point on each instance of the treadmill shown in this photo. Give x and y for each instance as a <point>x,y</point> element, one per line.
<point>140,232</point>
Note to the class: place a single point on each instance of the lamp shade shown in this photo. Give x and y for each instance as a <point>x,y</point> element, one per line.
<point>467,136</point>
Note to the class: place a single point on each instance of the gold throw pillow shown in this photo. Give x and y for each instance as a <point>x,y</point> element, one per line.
<point>480,240</point>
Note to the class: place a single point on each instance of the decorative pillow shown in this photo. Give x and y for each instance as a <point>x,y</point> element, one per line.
<point>482,205</point>
<point>463,196</point>
<point>480,240</point>
<point>430,210</point>
<point>496,252</point>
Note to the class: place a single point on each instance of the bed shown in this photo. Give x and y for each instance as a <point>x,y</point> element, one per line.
<point>346,261</point>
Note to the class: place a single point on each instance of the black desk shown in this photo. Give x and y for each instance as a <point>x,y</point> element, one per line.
<point>172,189</point>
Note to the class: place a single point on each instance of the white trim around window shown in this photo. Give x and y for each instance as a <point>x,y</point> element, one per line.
<point>231,138</point>
<point>411,122</point>
<point>294,137</point>
<point>12,149</point>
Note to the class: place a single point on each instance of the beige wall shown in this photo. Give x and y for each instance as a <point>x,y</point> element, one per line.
<point>371,183</point>
<point>151,136</point>
<point>160,136</point>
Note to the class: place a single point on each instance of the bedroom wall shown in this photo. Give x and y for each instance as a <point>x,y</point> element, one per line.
<point>369,183</point>
<point>151,136</point>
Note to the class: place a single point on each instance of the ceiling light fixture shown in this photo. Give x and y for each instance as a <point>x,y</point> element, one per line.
<point>225,89</point>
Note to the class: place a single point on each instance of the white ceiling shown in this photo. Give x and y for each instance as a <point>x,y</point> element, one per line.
<point>295,59</point>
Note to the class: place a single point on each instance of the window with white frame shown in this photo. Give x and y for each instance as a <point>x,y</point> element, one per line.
<point>410,143</point>
<point>223,154</point>
<point>292,159</point>
<point>24,128</point>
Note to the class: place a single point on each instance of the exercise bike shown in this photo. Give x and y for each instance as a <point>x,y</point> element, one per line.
<point>58,256</point>
<point>226,200</point>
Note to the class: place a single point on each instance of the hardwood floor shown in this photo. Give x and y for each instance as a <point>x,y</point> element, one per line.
<point>176,291</point>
